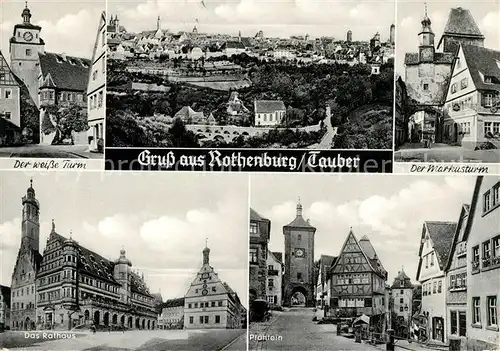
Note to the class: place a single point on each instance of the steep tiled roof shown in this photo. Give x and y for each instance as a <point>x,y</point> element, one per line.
<point>326,262</point>
<point>402,277</point>
<point>67,72</point>
<point>483,62</point>
<point>269,106</point>
<point>300,222</point>
<point>370,253</point>
<point>90,262</point>
<point>254,215</point>
<point>173,303</point>
<point>94,264</point>
<point>441,234</point>
<point>233,45</point>
<point>460,21</point>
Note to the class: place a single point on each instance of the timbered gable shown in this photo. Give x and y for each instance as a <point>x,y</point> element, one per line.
<point>352,259</point>
<point>6,75</point>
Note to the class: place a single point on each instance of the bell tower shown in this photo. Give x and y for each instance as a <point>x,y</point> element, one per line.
<point>25,45</point>
<point>299,260</point>
<point>426,48</point>
<point>31,220</point>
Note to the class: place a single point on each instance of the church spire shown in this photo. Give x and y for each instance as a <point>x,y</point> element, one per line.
<point>158,23</point>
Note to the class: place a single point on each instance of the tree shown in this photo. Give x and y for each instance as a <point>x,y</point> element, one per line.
<point>66,120</point>
<point>181,137</point>
<point>122,130</point>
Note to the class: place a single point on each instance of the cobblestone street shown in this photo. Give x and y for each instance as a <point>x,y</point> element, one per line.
<point>295,330</point>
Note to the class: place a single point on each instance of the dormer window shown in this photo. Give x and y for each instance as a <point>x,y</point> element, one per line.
<point>59,59</point>
<point>488,79</point>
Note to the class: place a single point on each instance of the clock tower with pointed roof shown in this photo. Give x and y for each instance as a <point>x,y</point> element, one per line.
<point>299,259</point>
<point>25,45</point>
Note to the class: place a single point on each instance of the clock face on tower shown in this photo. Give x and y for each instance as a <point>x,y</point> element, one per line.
<point>28,36</point>
<point>299,253</point>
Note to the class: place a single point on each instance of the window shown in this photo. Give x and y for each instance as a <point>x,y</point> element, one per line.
<point>28,52</point>
<point>440,286</point>
<point>401,300</point>
<point>368,302</point>
<point>201,319</point>
<point>462,324</point>
<point>253,229</point>
<point>213,304</point>
<point>189,305</point>
<point>217,319</point>
<point>492,311</point>
<point>401,291</point>
<point>464,83</point>
<point>270,267</point>
<point>220,303</point>
<point>270,283</point>
<point>299,276</point>
<point>432,258</point>
<point>487,100</point>
<point>454,88</point>
<point>8,94</point>
<point>495,196</point>
<point>475,254</point>
<point>496,246</point>
<point>206,319</point>
<point>454,322</point>
<point>7,115</point>
<point>401,309</point>
<point>476,310</point>
<point>253,255</point>
<point>486,249</point>
<point>213,289</point>
<point>426,86</point>
<point>299,237</point>
<point>486,201</point>
<point>426,261</point>
<point>434,287</point>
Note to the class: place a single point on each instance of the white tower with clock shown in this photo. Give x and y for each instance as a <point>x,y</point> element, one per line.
<point>25,44</point>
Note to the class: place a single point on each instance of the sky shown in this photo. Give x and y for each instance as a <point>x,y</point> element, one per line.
<point>276,18</point>
<point>161,220</point>
<point>390,210</point>
<point>68,26</point>
<point>410,14</point>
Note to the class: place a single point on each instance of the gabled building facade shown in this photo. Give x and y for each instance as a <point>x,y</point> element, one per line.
<point>10,104</point>
<point>269,112</point>
<point>210,303</point>
<point>359,282</point>
<point>435,244</point>
<point>96,94</point>
<point>471,108</point>
<point>483,265</point>
<point>456,281</point>
<point>260,231</point>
